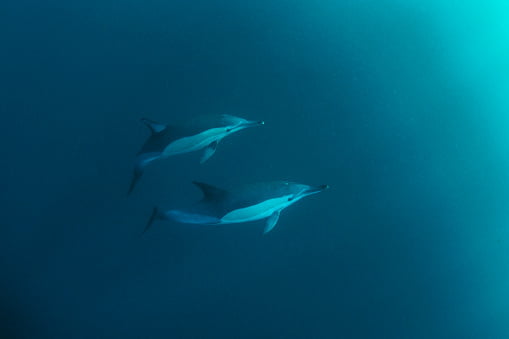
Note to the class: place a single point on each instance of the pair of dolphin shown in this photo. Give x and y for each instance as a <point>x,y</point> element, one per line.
<point>218,206</point>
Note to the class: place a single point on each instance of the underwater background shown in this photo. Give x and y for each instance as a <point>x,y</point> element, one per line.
<point>402,107</point>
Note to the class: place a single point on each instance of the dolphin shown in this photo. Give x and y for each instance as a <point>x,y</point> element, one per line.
<point>244,204</point>
<point>201,133</point>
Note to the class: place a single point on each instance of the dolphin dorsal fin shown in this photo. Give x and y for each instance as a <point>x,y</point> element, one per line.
<point>209,191</point>
<point>154,126</point>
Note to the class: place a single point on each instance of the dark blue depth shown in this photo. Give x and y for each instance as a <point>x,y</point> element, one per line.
<point>369,97</point>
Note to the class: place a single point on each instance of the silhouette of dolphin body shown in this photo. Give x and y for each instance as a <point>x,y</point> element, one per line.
<point>201,133</point>
<point>244,204</point>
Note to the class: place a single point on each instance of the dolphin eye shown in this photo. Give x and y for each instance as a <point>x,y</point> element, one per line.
<point>228,130</point>
<point>290,199</point>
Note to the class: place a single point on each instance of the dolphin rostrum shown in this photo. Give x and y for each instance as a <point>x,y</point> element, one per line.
<point>201,133</point>
<point>247,203</point>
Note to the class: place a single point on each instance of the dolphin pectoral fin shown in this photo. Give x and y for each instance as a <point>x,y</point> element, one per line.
<point>209,151</point>
<point>271,222</point>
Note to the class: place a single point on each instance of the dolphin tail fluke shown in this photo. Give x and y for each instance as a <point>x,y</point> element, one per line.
<point>142,161</point>
<point>155,215</point>
<point>138,172</point>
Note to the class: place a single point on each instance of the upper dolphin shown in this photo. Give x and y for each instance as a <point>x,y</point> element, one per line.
<point>246,203</point>
<point>203,132</point>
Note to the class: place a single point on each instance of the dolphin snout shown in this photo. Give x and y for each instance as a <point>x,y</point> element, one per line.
<point>254,123</point>
<point>316,189</point>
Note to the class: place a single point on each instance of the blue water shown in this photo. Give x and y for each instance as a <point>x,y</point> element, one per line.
<point>400,106</point>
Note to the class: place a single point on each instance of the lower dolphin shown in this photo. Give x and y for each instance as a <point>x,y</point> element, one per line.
<point>244,204</point>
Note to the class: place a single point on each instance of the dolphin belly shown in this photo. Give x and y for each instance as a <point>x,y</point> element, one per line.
<point>194,142</point>
<point>256,212</point>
